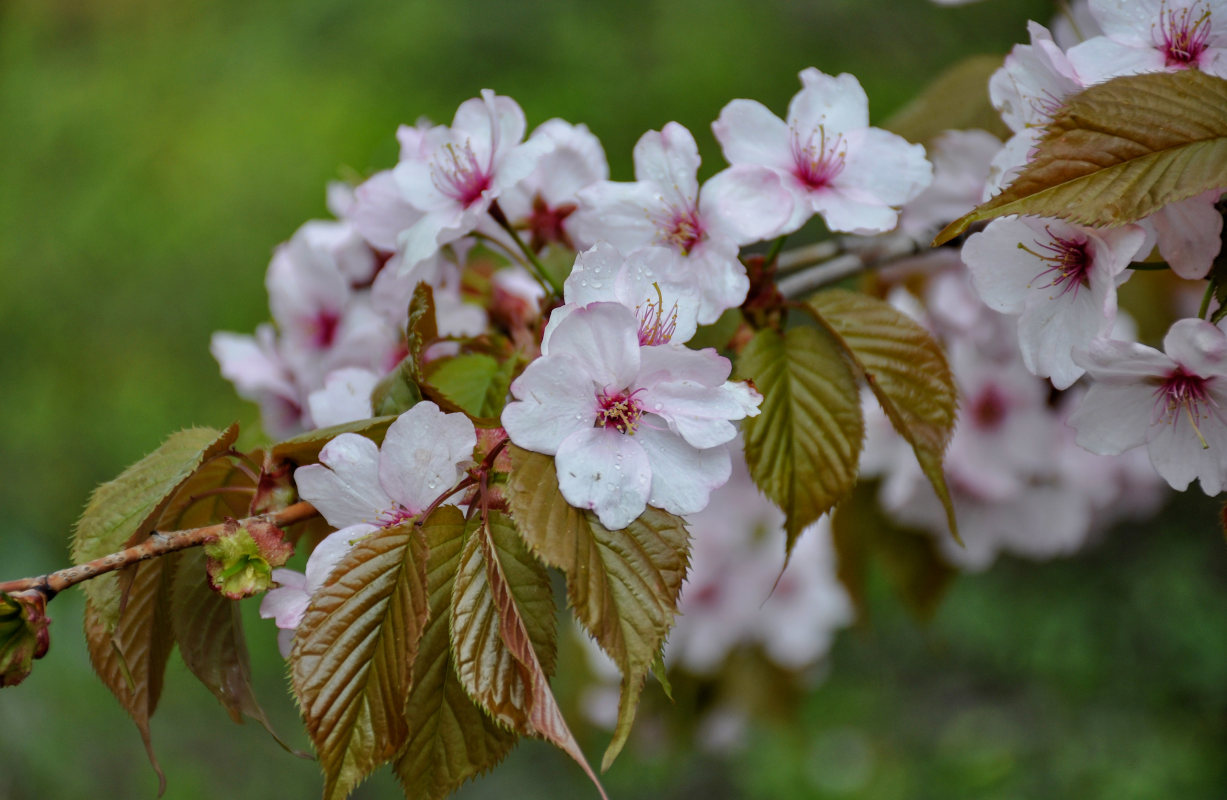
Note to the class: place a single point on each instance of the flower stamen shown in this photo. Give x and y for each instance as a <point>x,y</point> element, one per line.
<point>619,410</point>
<point>818,164</point>
<point>1069,263</point>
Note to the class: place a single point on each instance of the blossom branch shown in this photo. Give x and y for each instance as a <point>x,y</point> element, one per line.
<point>815,266</point>
<point>158,544</point>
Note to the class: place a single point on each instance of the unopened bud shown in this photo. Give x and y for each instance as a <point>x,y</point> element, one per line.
<point>275,490</point>
<point>24,636</point>
<point>241,561</point>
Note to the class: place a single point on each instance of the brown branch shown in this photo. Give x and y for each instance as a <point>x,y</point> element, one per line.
<point>815,266</point>
<point>158,544</point>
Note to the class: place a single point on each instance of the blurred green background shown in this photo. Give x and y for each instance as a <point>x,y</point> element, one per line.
<point>153,153</point>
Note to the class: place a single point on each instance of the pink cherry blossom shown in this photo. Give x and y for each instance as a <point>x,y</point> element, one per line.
<point>544,201</point>
<point>702,227</point>
<point>1171,402</point>
<point>1153,36</point>
<point>628,425</point>
<point>469,165</point>
<point>826,155</point>
<point>1060,278</point>
<point>346,397</point>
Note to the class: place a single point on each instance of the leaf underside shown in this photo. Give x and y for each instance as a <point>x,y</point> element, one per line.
<point>1119,151</point>
<point>122,512</point>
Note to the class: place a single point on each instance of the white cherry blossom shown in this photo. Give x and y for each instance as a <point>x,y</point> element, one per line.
<point>826,155</point>
<point>701,227</point>
<point>1172,402</point>
<point>1153,36</point>
<point>628,425</point>
<point>457,172</point>
<point>1059,278</point>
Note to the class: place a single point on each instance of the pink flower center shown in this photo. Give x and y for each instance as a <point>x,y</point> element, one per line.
<point>324,329</point>
<point>619,410</point>
<point>393,516</point>
<point>681,229</point>
<point>1183,393</point>
<point>456,173</point>
<point>656,326</point>
<point>818,162</point>
<point>988,409</point>
<point>1182,34</point>
<point>1069,263</point>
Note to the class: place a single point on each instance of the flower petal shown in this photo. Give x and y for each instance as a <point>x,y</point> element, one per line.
<point>421,454</point>
<point>344,486</point>
<point>606,471</point>
<point>683,477</point>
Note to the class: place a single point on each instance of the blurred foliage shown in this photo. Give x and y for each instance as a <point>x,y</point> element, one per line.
<point>153,153</point>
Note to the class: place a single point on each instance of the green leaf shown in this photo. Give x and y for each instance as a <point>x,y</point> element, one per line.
<point>803,447</point>
<point>209,631</point>
<point>623,585</point>
<point>353,655</point>
<point>906,371</point>
<point>450,738</point>
<point>124,511</point>
<point>501,593</point>
<point>305,448</point>
<point>956,100</point>
<point>1119,151</point>
<point>130,654</point>
<point>397,392</point>
<point>477,383</point>
<point>865,537</point>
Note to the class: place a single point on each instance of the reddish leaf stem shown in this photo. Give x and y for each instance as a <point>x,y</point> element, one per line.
<point>158,544</point>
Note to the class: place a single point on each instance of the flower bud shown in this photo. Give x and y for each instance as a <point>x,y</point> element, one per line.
<point>23,634</point>
<point>241,560</point>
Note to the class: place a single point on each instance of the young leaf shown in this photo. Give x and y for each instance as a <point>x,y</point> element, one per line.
<point>130,654</point>
<point>803,448</point>
<point>1119,151</point>
<point>623,585</point>
<point>122,512</point>
<point>906,371</point>
<point>501,591</point>
<point>956,99</point>
<point>353,655</point>
<point>477,383</point>
<point>305,448</point>
<point>450,738</point>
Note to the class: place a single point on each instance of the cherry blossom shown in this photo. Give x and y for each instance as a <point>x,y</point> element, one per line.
<point>346,397</point>
<point>1153,36</point>
<point>702,227</point>
<point>826,155</point>
<point>287,603</point>
<point>667,311</point>
<point>543,202</point>
<point>1171,402</point>
<point>469,165</point>
<point>1060,278</point>
<point>628,424</point>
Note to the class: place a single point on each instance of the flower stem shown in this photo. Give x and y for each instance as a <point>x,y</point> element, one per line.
<point>547,281</point>
<point>1205,300</point>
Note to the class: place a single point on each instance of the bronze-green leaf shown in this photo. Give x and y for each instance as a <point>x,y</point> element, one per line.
<point>305,448</point>
<point>803,447</point>
<point>1119,151</point>
<point>956,99</point>
<point>623,585</point>
<point>130,655</point>
<point>906,371</point>
<point>450,738</point>
<point>124,511</point>
<point>499,588</point>
<point>353,655</point>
